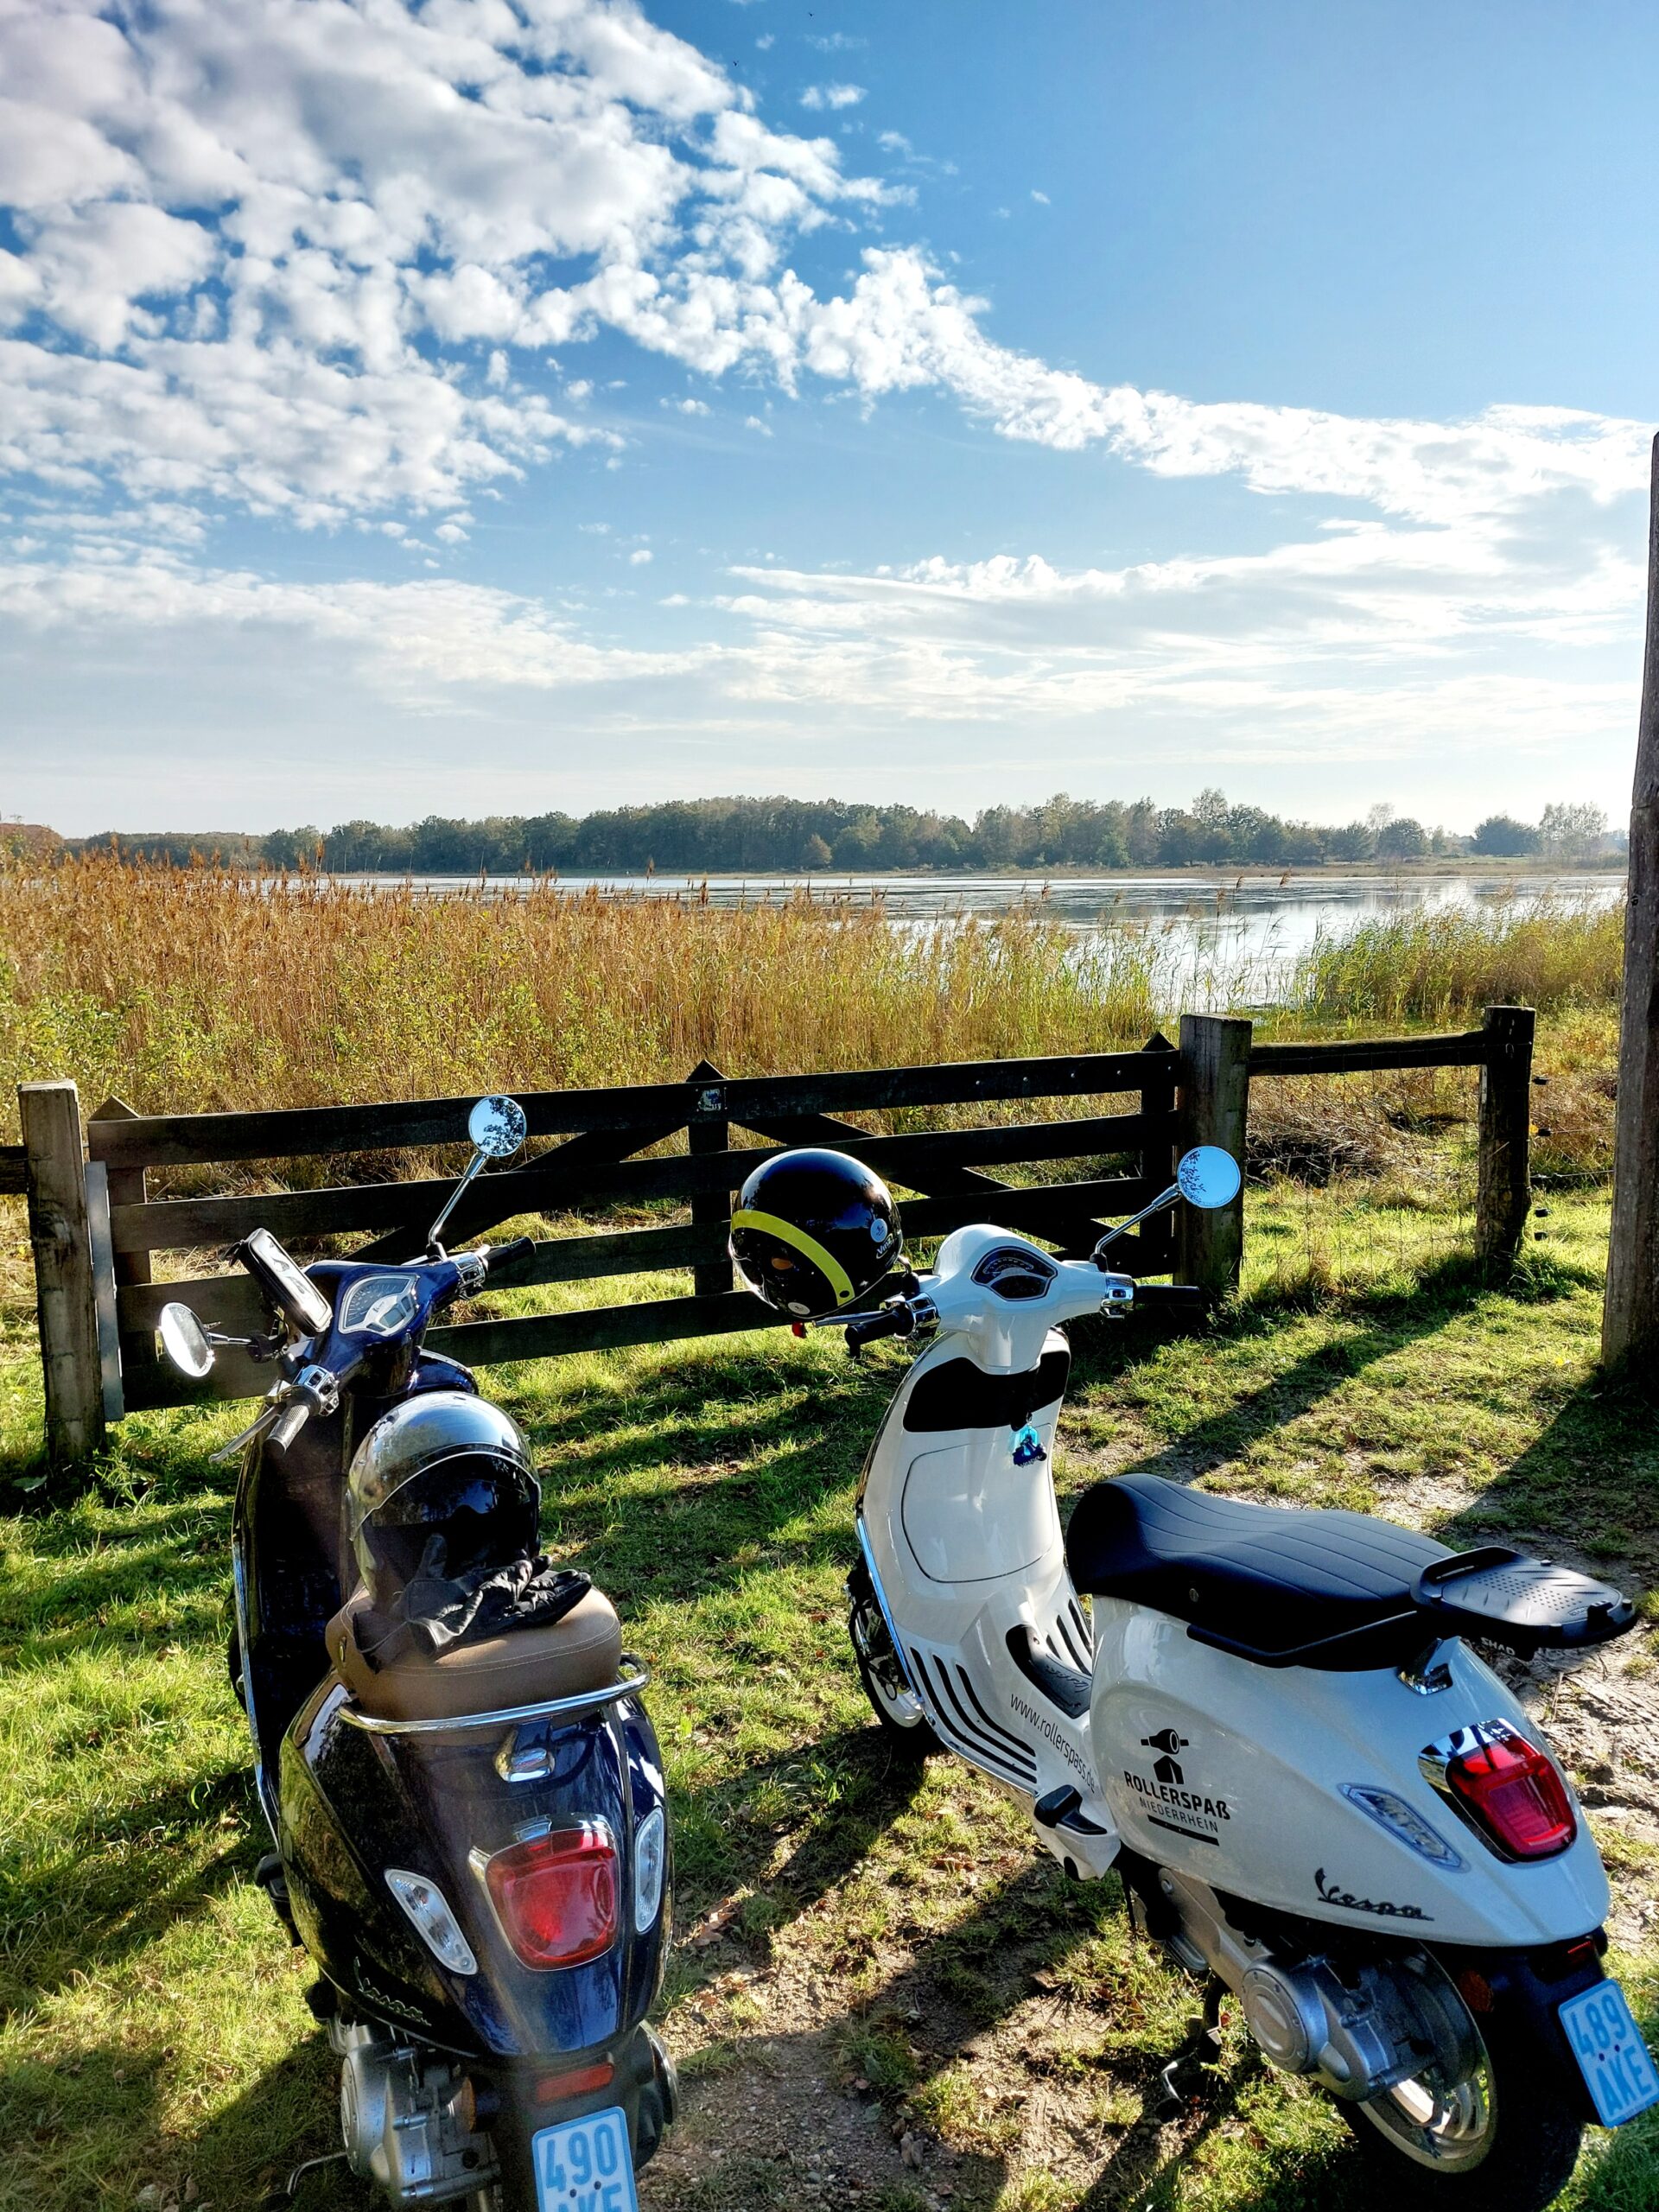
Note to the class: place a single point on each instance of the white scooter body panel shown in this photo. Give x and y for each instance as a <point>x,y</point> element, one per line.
<point>1243,1790</point>
<point>965,1546</point>
<point>973,1544</point>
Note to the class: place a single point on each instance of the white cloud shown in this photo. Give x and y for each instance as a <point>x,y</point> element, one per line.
<point>833,96</point>
<point>410,201</point>
<point>416,643</point>
<point>639,557</point>
<point>315,258</point>
<point>1041,198</point>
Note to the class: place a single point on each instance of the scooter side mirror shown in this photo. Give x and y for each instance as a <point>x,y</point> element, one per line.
<point>497,1126</point>
<point>1209,1177</point>
<point>185,1341</point>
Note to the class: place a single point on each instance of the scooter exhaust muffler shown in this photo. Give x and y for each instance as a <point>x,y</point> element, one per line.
<point>1357,2025</point>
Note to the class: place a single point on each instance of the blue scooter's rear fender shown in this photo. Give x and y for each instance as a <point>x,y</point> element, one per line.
<point>353,1804</point>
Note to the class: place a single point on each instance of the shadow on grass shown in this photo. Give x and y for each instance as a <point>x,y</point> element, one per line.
<point>1591,1478</point>
<point>1382,1321</point>
<point>94,1901</point>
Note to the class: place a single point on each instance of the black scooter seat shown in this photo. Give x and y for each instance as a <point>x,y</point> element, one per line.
<point>581,1651</point>
<point>1271,1582</point>
<point>1290,1587</point>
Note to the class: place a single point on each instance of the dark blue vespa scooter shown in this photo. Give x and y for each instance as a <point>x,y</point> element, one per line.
<point>472,1843</point>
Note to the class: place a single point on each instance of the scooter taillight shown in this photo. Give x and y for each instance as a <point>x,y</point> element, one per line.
<point>557,1895</point>
<point>1509,1791</point>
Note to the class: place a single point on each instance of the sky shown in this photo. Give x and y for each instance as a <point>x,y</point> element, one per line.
<point>489,406</point>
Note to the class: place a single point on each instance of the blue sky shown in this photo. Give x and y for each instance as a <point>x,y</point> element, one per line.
<point>476,407</point>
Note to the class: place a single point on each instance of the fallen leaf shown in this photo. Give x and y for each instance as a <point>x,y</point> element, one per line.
<point>711,1929</point>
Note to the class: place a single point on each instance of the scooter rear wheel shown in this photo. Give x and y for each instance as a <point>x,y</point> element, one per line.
<point>895,1705</point>
<point>1502,2139</point>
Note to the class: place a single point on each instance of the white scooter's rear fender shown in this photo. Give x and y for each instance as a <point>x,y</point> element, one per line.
<point>1236,1774</point>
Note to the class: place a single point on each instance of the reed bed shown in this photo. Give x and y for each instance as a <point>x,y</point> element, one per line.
<point>182,988</point>
<point>1444,963</point>
<point>206,989</point>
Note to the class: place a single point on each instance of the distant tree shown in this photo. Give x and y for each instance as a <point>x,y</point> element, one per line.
<point>1402,839</point>
<point>1502,837</point>
<point>817,853</point>
<point>1142,827</point>
<point>1569,832</point>
<point>292,848</point>
<point>860,842</point>
<point>1353,840</point>
<point>994,835</point>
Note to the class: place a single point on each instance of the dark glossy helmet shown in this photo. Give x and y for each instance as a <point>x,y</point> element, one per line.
<point>448,1465</point>
<point>812,1232</point>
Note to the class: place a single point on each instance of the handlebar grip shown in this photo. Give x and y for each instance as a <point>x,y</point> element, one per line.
<point>288,1423</point>
<point>890,1322</point>
<point>1182,1297</point>
<point>512,1254</point>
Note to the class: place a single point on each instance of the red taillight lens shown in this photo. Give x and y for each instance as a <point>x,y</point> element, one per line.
<point>1512,1793</point>
<point>556,1895</point>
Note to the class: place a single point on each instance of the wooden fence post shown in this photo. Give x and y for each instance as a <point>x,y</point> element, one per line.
<point>127,1188</point>
<point>1158,1153</point>
<point>707,1133</point>
<point>65,1295</point>
<point>1630,1320</point>
<point>1505,1187</point>
<point>1214,1109</point>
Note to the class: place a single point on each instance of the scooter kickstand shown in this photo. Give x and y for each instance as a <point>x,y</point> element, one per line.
<point>289,2190</point>
<point>1182,2078</point>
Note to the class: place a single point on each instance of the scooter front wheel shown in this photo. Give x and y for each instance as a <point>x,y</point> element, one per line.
<point>896,1706</point>
<point>1502,2137</point>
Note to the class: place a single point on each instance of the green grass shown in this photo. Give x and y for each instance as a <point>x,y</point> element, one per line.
<point>154,2027</point>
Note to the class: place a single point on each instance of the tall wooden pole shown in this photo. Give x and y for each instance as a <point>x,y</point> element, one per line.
<point>1214,1107</point>
<point>1630,1322</point>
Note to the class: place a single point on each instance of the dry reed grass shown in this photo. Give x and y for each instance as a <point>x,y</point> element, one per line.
<point>193,986</point>
<point>200,988</point>
<point>1442,963</point>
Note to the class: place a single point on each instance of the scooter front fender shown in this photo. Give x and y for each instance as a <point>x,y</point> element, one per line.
<point>1237,1775</point>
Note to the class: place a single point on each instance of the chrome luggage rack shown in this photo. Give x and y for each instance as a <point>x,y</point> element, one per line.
<point>502,1716</point>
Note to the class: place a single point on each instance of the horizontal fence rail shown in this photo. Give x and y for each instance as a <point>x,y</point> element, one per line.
<point>95,1225</point>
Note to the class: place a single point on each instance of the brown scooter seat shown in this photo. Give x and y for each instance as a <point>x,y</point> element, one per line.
<point>581,1651</point>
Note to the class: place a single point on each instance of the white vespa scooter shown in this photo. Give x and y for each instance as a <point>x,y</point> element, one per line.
<point>1267,1722</point>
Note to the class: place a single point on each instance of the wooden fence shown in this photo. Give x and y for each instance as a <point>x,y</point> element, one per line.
<point>94,1226</point>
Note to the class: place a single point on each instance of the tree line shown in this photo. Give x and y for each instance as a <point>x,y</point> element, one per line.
<point>762,836</point>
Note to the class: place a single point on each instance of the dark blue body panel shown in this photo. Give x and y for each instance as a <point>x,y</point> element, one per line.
<point>353,1804</point>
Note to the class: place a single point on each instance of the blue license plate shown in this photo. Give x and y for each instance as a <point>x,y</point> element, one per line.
<point>585,2165</point>
<point>1611,2055</point>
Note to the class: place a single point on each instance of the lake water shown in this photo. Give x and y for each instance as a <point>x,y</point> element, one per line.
<point>1254,924</point>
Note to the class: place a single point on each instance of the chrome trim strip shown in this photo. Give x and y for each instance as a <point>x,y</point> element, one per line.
<point>920,1696</point>
<point>503,1716</point>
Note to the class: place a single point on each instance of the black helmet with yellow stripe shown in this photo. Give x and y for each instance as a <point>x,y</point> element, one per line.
<point>813,1231</point>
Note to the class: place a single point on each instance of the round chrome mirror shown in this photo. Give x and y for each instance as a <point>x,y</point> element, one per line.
<point>497,1126</point>
<point>1209,1177</point>
<point>185,1341</point>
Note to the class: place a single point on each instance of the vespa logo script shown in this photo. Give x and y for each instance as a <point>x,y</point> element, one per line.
<point>1333,1893</point>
